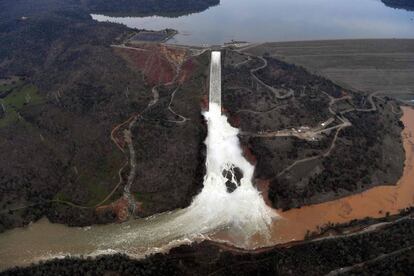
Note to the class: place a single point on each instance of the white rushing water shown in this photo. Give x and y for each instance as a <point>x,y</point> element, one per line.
<point>242,212</point>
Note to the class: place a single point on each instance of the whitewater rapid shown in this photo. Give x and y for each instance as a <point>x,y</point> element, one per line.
<point>242,212</point>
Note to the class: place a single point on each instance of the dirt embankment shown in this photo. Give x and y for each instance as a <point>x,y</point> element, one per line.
<point>159,63</point>
<point>383,65</point>
<point>154,67</point>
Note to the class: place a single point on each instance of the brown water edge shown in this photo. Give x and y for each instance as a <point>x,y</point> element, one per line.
<point>376,202</point>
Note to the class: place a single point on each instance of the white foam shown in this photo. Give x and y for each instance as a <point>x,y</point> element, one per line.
<point>243,212</point>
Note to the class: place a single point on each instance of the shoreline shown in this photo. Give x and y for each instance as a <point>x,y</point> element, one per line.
<point>376,202</point>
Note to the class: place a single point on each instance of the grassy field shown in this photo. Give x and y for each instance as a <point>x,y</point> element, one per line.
<point>19,97</point>
<point>383,66</point>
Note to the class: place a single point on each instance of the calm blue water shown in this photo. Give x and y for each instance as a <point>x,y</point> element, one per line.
<point>281,20</point>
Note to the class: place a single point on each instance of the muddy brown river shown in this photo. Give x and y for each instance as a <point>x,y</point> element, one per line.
<point>375,202</point>
<point>44,240</point>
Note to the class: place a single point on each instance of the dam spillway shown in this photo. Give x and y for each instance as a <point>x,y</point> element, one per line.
<point>215,78</point>
<point>242,210</point>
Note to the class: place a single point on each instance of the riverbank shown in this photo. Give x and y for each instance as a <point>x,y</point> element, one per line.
<point>376,202</point>
<point>384,251</point>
